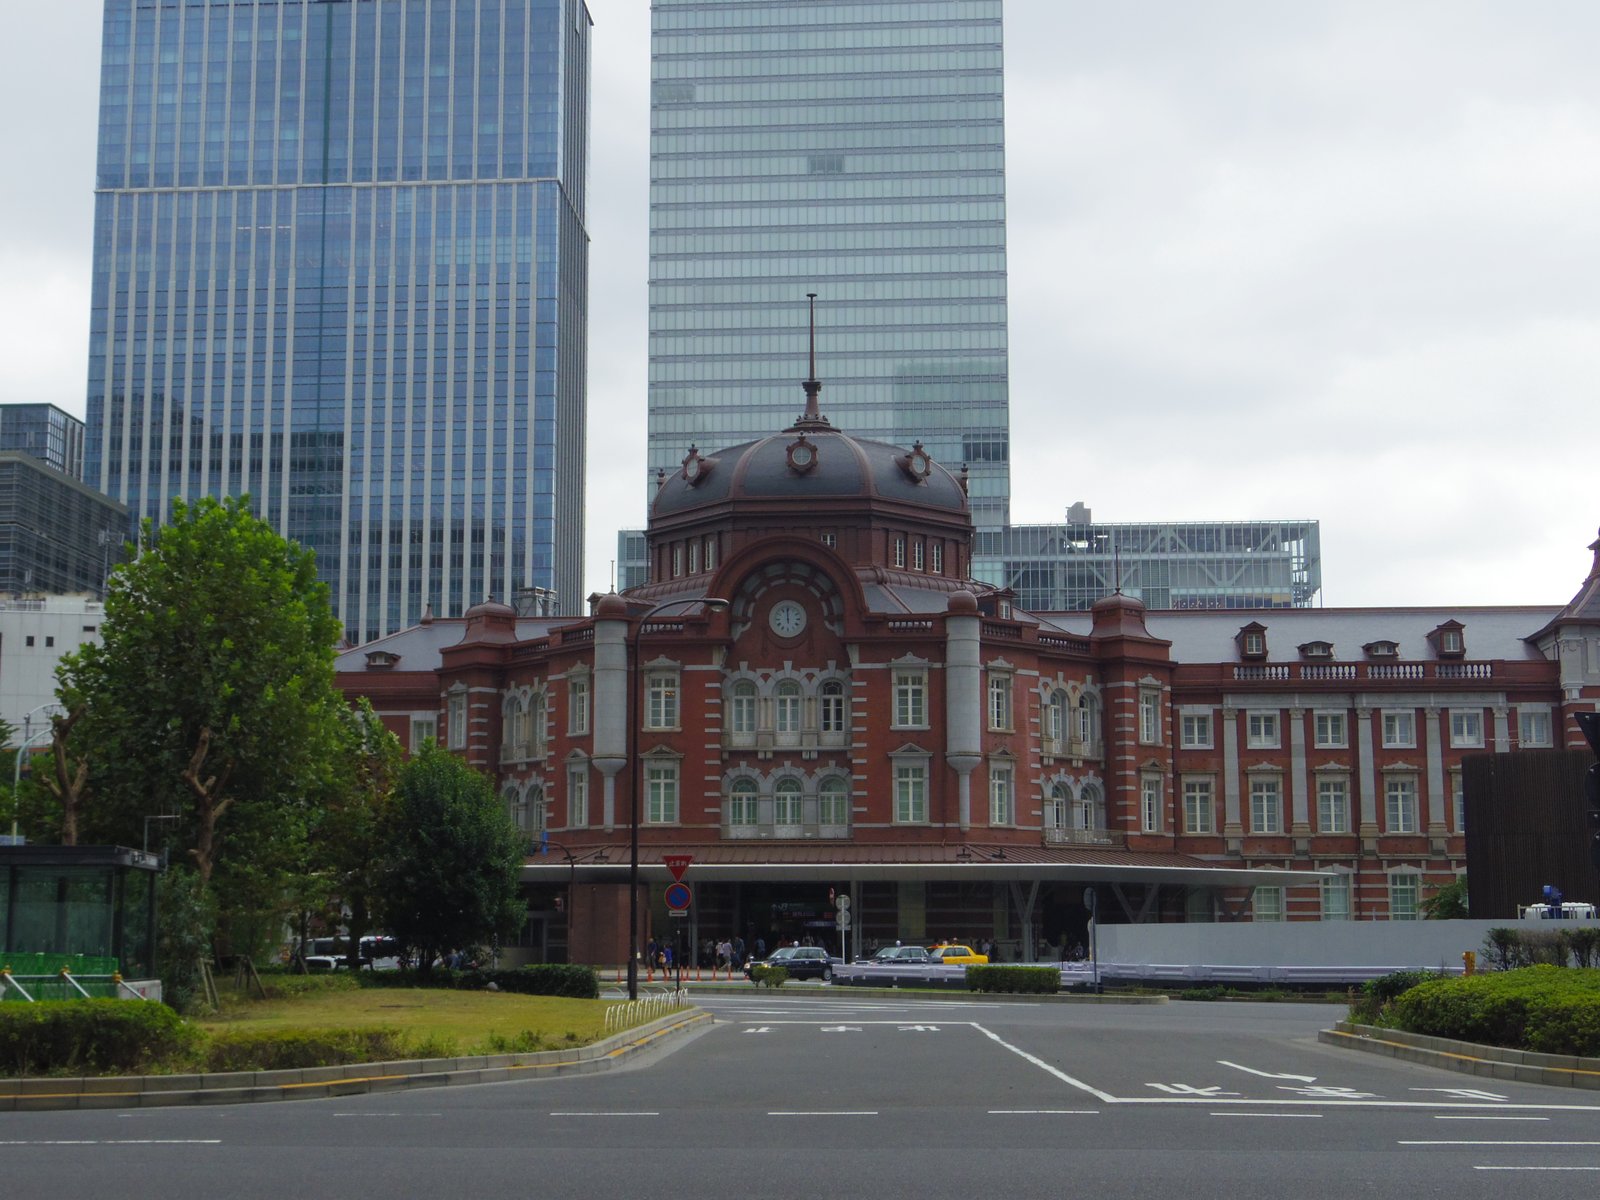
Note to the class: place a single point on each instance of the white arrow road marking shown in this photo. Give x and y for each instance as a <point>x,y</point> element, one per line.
<point>1222,1062</point>
<point>841,1029</point>
<point>919,1029</point>
<point>1464,1093</point>
<point>759,1029</point>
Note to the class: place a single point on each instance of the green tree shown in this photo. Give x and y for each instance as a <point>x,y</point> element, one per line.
<point>349,838</point>
<point>210,698</point>
<point>450,875</point>
<point>1449,903</point>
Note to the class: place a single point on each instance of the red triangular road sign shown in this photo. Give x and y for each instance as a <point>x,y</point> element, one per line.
<point>677,864</point>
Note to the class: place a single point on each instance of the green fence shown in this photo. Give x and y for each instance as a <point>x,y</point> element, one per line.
<point>40,975</point>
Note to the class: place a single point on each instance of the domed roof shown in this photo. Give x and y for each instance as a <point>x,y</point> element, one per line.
<point>807,462</point>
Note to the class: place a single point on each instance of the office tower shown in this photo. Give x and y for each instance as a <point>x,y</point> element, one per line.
<point>58,536</point>
<point>854,150</point>
<point>341,265</point>
<point>46,432</point>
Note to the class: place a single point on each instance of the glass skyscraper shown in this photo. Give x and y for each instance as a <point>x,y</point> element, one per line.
<point>854,150</point>
<point>341,265</point>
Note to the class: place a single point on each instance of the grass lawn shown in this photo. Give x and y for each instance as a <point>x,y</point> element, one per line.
<point>444,1021</point>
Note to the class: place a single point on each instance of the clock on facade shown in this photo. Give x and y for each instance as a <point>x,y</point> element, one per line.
<point>787,619</point>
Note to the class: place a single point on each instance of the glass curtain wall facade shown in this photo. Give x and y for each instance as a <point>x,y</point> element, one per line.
<point>46,432</point>
<point>854,150</point>
<point>341,265</point>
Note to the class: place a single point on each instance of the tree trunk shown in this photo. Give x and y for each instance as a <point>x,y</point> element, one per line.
<point>209,807</point>
<point>68,784</point>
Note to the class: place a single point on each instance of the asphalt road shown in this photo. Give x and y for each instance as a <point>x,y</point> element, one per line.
<point>824,1094</point>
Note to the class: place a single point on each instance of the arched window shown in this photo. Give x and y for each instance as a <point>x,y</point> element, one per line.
<point>1088,730</point>
<point>786,802</point>
<point>533,805</point>
<point>833,802</point>
<point>534,739</point>
<point>1057,806</point>
<point>511,794</point>
<point>742,710</point>
<point>786,709</point>
<point>1091,808</point>
<point>742,802</point>
<point>832,707</point>
<point>1056,720</point>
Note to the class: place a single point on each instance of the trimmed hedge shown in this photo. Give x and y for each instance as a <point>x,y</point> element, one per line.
<point>537,979</point>
<point>1552,1010</point>
<point>296,1049</point>
<point>1371,1005</point>
<point>1032,980</point>
<point>91,1037</point>
<point>764,976</point>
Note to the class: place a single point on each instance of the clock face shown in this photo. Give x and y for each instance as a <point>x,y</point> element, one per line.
<point>802,456</point>
<point>787,619</point>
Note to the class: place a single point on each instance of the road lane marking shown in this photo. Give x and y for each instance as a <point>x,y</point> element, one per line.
<point>866,1112</point>
<point>389,1114</point>
<point>1044,1066</point>
<point>117,1142</point>
<point>1286,1116</point>
<point>1463,1093</point>
<point>1044,1112</point>
<point>1451,1117</point>
<point>1222,1062</point>
<point>1496,1143</point>
<point>1476,1168</point>
<point>605,1114</point>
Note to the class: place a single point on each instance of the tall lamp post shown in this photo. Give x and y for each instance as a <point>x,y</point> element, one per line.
<point>636,776</point>
<point>16,774</point>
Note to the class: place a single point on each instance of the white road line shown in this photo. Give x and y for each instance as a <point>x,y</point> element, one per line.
<point>832,1113</point>
<point>605,1114</point>
<point>120,1142</point>
<point>1044,1112</point>
<point>1536,1168</point>
<point>1044,1066</point>
<point>1502,1143</point>
<point>1451,1117</point>
<point>389,1114</point>
<point>1303,1116</point>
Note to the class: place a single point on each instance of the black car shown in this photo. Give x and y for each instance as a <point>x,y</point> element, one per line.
<point>900,956</point>
<point>802,962</point>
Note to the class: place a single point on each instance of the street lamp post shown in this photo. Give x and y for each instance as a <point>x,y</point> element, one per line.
<point>16,774</point>
<point>636,775</point>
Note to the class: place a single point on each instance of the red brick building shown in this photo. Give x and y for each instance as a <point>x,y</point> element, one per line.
<point>825,704</point>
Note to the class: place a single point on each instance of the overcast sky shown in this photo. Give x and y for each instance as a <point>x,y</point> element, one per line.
<point>1312,260</point>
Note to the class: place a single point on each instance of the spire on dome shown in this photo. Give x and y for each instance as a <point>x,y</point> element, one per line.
<point>812,417</point>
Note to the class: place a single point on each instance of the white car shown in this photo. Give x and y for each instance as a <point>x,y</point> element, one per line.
<point>1569,910</point>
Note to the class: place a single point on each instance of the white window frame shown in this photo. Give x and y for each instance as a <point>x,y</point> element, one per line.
<point>1335,897</point>
<point>1458,801</point>
<point>788,803</point>
<point>1199,805</point>
<point>1330,730</point>
<point>1333,804</point>
<point>1196,730</point>
<point>900,552</point>
<point>938,558</point>
<point>744,803</point>
<point>661,709</point>
<point>1266,804</point>
<point>424,729</point>
<point>1000,715</point>
<point>1399,729</point>
<point>1150,798</point>
<point>1534,727</point>
<point>1400,803</point>
<point>832,709</point>
<point>661,793</point>
<point>918,554</point>
<point>1002,795</point>
<point>1266,903</point>
<point>743,702</point>
<point>833,791</point>
<point>1055,720</point>
<point>1058,807</point>
<point>711,552</point>
<point>1263,730</point>
<point>578,796</point>
<point>1405,896</point>
<point>677,560</point>
<point>577,706</point>
<point>456,718</point>
<point>1466,729</point>
<point>911,792</point>
<point>1149,717</point>
<point>788,709</point>
<point>910,698</point>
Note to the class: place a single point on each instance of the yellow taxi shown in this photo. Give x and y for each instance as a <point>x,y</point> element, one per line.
<point>956,956</point>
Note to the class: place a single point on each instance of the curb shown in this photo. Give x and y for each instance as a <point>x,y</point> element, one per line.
<point>1469,1058</point>
<point>317,1083</point>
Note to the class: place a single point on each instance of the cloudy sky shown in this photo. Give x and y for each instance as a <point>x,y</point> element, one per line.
<point>1336,260</point>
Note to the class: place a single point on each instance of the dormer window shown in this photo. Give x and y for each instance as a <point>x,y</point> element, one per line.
<point>381,660</point>
<point>1382,650</point>
<point>1449,640</point>
<point>1316,650</point>
<point>1252,640</point>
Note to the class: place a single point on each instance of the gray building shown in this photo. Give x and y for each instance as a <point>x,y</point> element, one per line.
<point>341,265</point>
<point>50,434</point>
<point>58,536</point>
<point>1166,564</point>
<point>853,150</point>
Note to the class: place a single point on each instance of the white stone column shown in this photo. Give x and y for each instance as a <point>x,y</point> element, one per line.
<point>963,697</point>
<point>610,707</point>
<point>1433,798</point>
<point>1300,814</point>
<point>1366,776</point>
<point>1232,825</point>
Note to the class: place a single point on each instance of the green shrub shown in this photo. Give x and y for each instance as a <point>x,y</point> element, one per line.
<point>293,1049</point>
<point>1546,946</point>
<point>765,976</point>
<point>1503,949</point>
<point>1542,1008</point>
<point>1370,1007</point>
<point>536,979</point>
<point>1008,978</point>
<point>1585,943</point>
<point>104,1037</point>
